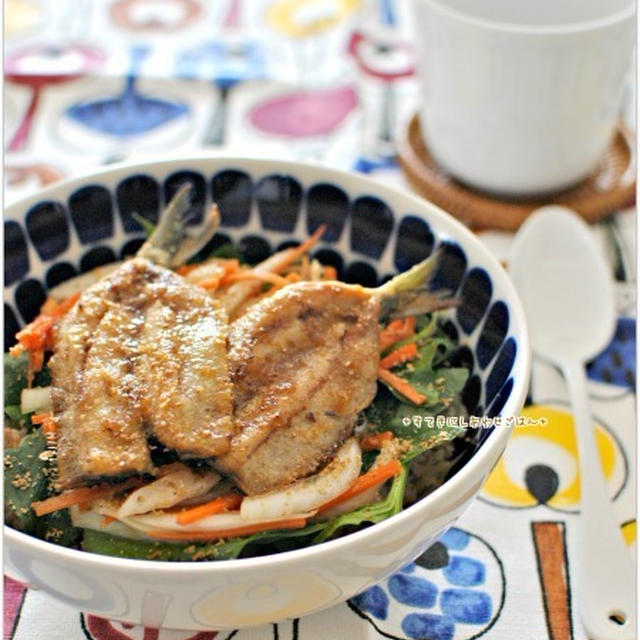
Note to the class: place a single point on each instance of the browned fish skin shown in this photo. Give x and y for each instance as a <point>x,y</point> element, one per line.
<point>182,362</point>
<point>99,431</point>
<point>121,367</point>
<point>303,365</point>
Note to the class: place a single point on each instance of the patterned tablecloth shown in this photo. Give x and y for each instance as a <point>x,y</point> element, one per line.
<point>90,82</point>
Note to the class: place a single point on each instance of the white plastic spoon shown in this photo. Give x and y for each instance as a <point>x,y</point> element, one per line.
<point>567,293</point>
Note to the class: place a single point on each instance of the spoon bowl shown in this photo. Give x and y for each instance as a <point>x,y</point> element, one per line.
<point>565,286</point>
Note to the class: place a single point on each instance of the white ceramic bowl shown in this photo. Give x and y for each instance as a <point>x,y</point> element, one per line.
<point>374,230</point>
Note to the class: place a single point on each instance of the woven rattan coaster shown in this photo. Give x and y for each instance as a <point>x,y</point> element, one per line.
<point>610,187</point>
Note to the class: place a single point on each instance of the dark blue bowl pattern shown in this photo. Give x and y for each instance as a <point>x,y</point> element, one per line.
<point>366,240</point>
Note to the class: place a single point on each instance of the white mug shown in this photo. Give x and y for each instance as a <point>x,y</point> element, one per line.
<point>521,97</point>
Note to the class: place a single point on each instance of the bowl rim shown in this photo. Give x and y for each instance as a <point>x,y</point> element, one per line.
<point>495,442</point>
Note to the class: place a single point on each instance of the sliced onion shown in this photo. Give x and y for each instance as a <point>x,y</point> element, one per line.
<point>387,453</point>
<point>223,487</point>
<point>220,522</point>
<point>369,496</point>
<point>36,399</point>
<point>168,491</point>
<point>309,493</point>
<point>82,282</point>
<point>96,521</point>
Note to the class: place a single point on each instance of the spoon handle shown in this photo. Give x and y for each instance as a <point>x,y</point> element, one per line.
<point>606,580</point>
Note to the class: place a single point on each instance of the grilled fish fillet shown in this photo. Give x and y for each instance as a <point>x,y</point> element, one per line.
<point>182,364</point>
<point>303,365</point>
<point>142,352</point>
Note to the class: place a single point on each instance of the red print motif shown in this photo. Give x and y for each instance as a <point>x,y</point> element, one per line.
<point>102,629</point>
<point>14,593</point>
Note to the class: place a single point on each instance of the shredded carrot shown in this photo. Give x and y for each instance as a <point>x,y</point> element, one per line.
<point>397,330</point>
<point>36,362</point>
<point>401,386</point>
<point>329,272</point>
<point>293,277</point>
<point>305,268</point>
<point>373,441</point>
<point>395,325</point>
<point>184,269</point>
<point>36,336</point>
<point>50,305</point>
<point>399,356</point>
<point>226,502</point>
<point>108,520</point>
<point>289,256</point>
<point>373,477</point>
<point>39,418</point>
<point>64,306</point>
<point>210,283</point>
<point>245,530</point>
<point>253,274</point>
<point>81,495</point>
<point>16,349</point>
<point>49,427</point>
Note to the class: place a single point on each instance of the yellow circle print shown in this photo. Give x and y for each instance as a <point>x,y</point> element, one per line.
<point>630,532</point>
<point>302,18</point>
<point>540,463</point>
